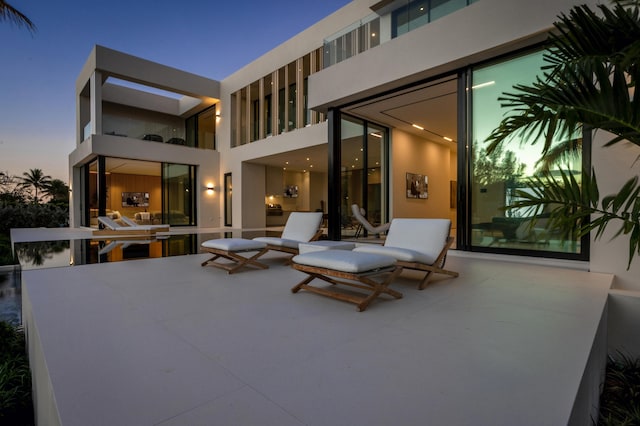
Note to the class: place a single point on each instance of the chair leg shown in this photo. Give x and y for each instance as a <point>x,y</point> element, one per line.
<point>239,261</point>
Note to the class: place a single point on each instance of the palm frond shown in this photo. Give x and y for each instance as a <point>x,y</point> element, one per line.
<point>589,79</point>
<point>574,208</point>
<point>14,16</point>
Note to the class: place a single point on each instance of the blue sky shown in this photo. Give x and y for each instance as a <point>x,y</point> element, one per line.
<point>38,72</point>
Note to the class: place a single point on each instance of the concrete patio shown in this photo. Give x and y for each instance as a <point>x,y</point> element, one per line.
<point>167,342</point>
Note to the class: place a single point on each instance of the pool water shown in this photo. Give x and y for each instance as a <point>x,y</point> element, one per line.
<point>67,253</point>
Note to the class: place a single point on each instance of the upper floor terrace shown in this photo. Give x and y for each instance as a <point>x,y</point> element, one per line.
<point>125,96</point>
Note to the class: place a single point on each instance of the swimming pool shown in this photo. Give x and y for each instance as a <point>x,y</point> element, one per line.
<point>71,252</point>
<point>65,253</point>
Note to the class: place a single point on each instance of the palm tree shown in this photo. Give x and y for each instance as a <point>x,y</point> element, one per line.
<point>35,179</point>
<point>588,82</point>
<point>14,16</point>
<point>58,191</point>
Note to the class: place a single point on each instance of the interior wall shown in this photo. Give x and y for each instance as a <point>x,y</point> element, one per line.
<point>118,183</point>
<point>412,154</point>
<point>318,191</point>
<point>252,193</point>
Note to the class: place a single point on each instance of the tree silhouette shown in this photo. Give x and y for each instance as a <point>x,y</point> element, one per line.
<point>58,191</point>
<point>35,179</point>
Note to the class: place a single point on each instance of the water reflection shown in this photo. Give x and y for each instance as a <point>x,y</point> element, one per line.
<point>10,296</point>
<point>37,253</point>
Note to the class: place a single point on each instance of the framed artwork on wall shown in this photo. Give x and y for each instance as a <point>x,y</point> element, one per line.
<point>417,186</point>
<point>135,199</point>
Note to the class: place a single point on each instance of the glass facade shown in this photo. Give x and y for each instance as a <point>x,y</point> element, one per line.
<point>146,192</point>
<point>124,121</point>
<point>497,177</point>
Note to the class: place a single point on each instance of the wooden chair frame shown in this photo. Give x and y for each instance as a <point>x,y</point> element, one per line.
<point>238,261</point>
<point>290,250</point>
<point>361,281</point>
<point>436,267</point>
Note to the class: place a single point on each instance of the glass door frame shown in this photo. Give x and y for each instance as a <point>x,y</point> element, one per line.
<point>334,205</point>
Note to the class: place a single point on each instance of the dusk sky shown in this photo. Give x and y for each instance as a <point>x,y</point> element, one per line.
<point>38,71</point>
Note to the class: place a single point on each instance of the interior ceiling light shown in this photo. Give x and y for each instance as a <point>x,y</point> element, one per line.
<point>488,83</point>
<point>377,135</point>
<point>447,139</point>
<point>418,127</point>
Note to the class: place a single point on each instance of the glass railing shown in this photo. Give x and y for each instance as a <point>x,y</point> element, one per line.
<point>390,21</point>
<point>173,133</point>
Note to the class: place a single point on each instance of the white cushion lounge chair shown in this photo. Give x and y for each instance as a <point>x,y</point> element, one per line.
<point>420,244</point>
<point>301,227</point>
<point>112,227</point>
<point>364,223</point>
<point>131,222</point>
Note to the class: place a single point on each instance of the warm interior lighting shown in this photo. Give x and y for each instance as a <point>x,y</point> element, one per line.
<point>488,83</point>
<point>447,139</point>
<point>210,188</point>
<point>376,135</point>
<point>418,127</point>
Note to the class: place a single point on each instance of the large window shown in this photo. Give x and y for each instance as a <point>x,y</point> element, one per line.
<point>201,130</point>
<point>497,177</point>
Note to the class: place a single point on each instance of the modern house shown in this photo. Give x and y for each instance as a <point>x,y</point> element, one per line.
<point>384,104</point>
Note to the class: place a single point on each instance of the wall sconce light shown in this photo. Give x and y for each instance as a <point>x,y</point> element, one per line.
<point>210,188</point>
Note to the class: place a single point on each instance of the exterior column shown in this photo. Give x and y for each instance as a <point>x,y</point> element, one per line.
<point>96,102</point>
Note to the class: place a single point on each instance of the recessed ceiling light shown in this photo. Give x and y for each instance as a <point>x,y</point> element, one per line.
<point>447,139</point>
<point>418,127</point>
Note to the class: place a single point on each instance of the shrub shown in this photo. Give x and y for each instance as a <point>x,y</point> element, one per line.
<point>16,406</point>
<point>620,399</point>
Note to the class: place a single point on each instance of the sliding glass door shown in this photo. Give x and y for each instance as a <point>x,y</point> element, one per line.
<point>362,172</point>
<point>178,200</point>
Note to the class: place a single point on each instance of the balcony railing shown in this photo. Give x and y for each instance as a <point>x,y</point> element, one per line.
<point>386,23</point>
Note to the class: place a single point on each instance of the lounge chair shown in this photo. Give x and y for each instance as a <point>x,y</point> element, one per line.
<point>111,227</point>
<point>361,270</point>
<point>131,222</point>
<point>231,249</point>
<point>420,244</point>
<point>301,227</point>
<point>359,215</point>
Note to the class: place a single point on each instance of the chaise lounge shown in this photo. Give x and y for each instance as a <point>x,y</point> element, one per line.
<point>301,227</point>
<point>111,227</point>
<point>419,244</point>
<point>359,215</point>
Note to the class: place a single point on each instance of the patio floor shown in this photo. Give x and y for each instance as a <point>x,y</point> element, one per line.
<point>168,342</point>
